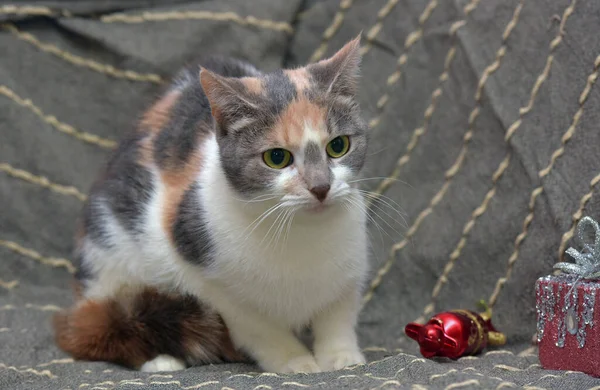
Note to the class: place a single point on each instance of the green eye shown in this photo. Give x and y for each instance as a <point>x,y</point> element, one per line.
<point>338,146</point>
<point>277,158</point>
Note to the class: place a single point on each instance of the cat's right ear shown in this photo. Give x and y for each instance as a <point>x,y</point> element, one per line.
<point>338,75</point>
<point>230,102</point>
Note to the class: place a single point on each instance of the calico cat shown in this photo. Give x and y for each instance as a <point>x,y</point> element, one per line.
<point>226,223</point>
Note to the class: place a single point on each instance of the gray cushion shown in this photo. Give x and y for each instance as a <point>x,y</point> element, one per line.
<point>444,83</point>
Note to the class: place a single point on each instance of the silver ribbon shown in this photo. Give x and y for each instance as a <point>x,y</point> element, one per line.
<point>587,262</point>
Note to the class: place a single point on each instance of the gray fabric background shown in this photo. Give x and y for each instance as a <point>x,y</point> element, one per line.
<point>67,78</point>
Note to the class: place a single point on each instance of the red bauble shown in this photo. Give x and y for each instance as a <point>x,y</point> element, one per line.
<point>455,333</point>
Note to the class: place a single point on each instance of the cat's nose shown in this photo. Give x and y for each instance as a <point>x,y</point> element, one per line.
<point>320,191</point>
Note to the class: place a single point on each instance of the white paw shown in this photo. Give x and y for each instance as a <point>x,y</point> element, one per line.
<point>163,363</point>
<point>336,360</point>
<point>302,364</point>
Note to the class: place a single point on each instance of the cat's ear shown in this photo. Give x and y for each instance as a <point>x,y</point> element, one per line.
<point>339,73</point>
<point>231,100</point>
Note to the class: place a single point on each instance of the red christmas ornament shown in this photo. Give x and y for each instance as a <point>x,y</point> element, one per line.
<point>455,333</point>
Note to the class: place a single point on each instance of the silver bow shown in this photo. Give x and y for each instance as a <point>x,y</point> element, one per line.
<point>587,262</point>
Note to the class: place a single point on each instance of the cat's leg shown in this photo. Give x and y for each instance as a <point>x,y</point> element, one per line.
<point>336,344</point>
<point>273,345</point>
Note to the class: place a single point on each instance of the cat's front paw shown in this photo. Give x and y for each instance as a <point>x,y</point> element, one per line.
<point>163,363</point>
<point>338,359</point>
<point>302,364</point>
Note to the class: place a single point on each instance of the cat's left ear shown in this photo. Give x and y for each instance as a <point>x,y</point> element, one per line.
<point>231,101</point>
<point>339,74</point>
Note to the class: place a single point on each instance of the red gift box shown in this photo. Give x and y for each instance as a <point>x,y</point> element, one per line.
<point>566,308</point>
<point>567,329</point>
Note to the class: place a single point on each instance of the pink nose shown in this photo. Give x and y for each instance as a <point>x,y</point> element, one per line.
<point>320,191</point>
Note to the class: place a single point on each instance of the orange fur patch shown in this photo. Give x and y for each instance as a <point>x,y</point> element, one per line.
<point>299,77</point>
<point>152,122</point>
<point>91,331</point>
<point>158,115</point>
<point>177,182</point>
<point>253,85</point>
<point>146,146</point>
<point>289,129</point>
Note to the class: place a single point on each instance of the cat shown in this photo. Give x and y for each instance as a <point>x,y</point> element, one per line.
<point>226,223</point>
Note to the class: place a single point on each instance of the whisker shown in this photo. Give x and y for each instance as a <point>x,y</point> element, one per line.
<point>384,220</point>
<point>379,196</point>
<point>277,244</point>
<point>261,218</point>
<point>259,198</point>
<point>377,152</point>
<point>271,228</point>
<point>280,228</point>
<point>359,206</point>
<point>386,203</point>
<point>342,193</point>
<point>353,203</point>
<point>289,227</point>
<point>380,178</point>
<point>279,224</point>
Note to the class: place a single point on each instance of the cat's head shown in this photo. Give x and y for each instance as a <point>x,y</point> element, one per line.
<point>294,135</point>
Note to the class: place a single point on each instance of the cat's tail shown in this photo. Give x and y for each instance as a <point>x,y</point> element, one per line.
<point>133,331</point>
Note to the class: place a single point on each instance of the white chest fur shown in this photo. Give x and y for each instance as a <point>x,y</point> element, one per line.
<point>291,275</point>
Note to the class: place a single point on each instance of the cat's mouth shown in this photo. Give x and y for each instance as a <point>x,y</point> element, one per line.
<point>318,208</point>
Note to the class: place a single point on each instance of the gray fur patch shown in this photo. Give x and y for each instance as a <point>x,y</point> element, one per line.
<point>95,224</point>
<point>317,175</point>
<point>191,236</point>
<point>243,165</point>
<point>83,273</point>
<point>280,91</point>
<point>127,185</point>
<point>316,166</point>
<point>339,74</point>
<point>355,158</point>
<point>344,119</point>
<point>313,155</point>
<point>190,121</point>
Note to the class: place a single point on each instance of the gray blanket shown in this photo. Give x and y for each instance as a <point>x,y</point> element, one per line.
<point>484,129</point>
